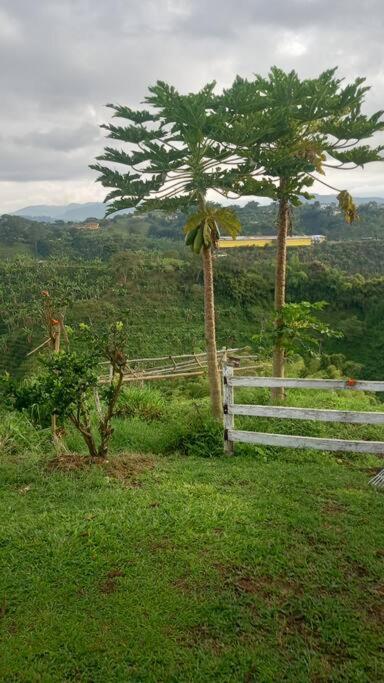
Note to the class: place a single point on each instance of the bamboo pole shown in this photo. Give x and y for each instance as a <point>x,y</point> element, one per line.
<point>185,355</point>
<point>56,331</point>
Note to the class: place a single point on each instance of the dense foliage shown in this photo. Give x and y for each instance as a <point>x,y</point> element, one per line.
<point>163,232</point>
<point>159,296</point>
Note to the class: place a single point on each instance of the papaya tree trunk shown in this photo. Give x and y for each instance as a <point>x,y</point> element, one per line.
<point>280,287</point>
<point>210,334</point>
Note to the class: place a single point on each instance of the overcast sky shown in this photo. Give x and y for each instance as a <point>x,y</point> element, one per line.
<point>62,60</point>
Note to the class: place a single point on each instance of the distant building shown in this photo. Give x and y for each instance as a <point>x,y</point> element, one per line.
<point>268,241</point>
<point>92,225</point>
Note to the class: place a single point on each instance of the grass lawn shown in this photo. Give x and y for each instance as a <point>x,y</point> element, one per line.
<point>172,569</point>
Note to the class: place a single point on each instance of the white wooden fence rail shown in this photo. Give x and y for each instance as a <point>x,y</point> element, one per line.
<point>232,435</point>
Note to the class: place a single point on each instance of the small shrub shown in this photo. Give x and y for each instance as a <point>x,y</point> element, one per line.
<point>332,372</point>
<point>195,434</point>
<point>352,369</point>
<point>68,387</point>
<point>144,402</point>
<point>196,388</point>
<point>311,366</point>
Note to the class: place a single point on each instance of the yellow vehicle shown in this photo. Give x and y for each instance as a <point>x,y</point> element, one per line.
<point>267,241</point>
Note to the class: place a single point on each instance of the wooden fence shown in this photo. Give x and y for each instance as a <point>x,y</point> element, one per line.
<point>232,435</point>
<point>180,366</point>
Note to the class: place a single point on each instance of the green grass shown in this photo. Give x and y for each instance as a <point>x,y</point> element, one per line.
<point>255,568</point>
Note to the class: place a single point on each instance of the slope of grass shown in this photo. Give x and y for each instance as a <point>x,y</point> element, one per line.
<point>170,569</point>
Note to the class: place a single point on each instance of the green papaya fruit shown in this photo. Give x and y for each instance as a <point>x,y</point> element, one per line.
<point>198,242</point>
<point>190,237</point>
<point>207,234</point>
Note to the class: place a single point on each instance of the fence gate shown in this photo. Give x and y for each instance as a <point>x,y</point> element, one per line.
<point>232,435</point>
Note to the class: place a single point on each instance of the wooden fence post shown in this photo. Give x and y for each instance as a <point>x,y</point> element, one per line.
<point>56,349</point>
<point>228,401</point>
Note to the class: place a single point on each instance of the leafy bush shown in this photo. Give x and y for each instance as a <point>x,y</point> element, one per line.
<point>346,367</point>
<point>68,387</point>
<point>333,372</point>
<point>144,402</point>
<point>297,329</point>
<point>195,434</point>
<point>196,389</point>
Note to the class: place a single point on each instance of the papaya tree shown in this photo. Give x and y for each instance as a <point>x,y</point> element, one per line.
<point>314,125</point>
<point>174,158</point>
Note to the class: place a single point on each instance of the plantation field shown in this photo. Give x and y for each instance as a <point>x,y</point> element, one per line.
<point>163,567</point>
<point>160,299</point>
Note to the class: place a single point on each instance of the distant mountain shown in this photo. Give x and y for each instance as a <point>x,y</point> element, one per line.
<point>331,199</point>
<point>79,212</point>
<point>67,212</point>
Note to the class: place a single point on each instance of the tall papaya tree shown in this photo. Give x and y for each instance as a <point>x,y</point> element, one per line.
<point>174,157</point>
<point>315,125</point>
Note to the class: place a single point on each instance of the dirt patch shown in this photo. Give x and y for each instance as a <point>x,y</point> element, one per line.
<point>110,583</point>
<point>246,584</point>
<point>81,593</point>
<point>203,636</point>
<point>183,584</point>
<point>374,613</point>
<point>3,608</point>
<point>68,462</point>
<point>295,624</point>
<point>332,507</point>
<point>378,589</point>
<point>273,590</point>
<point>126,468</point>
<point>161,544</point>
<point>355,570</point>
<point>372,471</point>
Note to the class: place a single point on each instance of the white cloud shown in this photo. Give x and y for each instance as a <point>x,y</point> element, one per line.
<point>66,58</point>
<point>10,29</point>
<point>292,45</point>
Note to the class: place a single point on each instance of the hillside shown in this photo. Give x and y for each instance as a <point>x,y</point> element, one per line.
<point>80,212</point>
<point>136,268</point>
<point>132,230</point>
<point>160,296</point>
<point>160,539</point>
<point>65,212</point>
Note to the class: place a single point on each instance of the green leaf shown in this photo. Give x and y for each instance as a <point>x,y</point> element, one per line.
<point>193,222</point>
<point>228,221</point>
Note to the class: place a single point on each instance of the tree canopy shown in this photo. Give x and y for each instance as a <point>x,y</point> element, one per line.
<point>314,125</point>
<point>176,153</point>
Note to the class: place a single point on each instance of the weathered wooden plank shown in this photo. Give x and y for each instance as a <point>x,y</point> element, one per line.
<point>141,378</point>
<point>293,383</point>
<point>287,413</point>
<point>285,441</point>
<point>228,400</point>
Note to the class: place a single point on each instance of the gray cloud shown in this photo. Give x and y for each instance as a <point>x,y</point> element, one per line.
<point>61,139</point>
<point>219,17</point>
<point>63,59</point>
